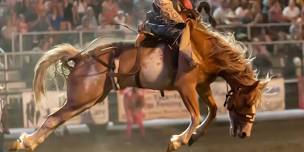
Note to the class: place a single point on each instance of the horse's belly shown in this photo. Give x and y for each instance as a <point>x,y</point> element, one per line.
<point>157,69</point>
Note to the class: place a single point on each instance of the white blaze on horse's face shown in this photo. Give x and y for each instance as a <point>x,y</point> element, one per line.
<point>241,123</point>
<point>242,110</point>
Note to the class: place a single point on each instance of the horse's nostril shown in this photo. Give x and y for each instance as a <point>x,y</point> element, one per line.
<point>243,135</point>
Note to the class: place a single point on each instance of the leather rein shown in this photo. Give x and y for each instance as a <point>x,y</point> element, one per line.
<point>110,72</point>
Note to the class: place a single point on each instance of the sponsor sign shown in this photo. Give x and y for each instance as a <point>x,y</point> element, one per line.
<point>301,92</point>
<point>171,106</point>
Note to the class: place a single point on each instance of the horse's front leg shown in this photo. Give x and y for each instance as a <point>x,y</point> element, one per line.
<point>189,97</point>
<point>207,97</point>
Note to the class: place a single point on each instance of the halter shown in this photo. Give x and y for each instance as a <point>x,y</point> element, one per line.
<point>249,117</point>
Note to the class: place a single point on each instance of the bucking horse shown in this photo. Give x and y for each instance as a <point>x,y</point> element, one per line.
<point>154,66</point>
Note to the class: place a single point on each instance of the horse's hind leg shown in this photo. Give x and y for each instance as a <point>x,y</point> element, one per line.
<point>207,97</point>
<point>190,100</point>
<point>79,99</point>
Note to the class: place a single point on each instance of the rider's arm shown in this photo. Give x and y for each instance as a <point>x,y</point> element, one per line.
<point>167,9</point>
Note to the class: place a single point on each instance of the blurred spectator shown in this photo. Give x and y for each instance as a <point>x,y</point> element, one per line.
<point>291,12</point>
<point>10,27</point>
<point>11,3</point>
<point>68,19</point>
<point>224,14</point>
<point>90,17</point>
<point>40,24</point>
<point>296,29</point>
<point>127,5</point>
<point>257,16</point>
<point>133,105</point>
<point>22,24</point>
<point>214,3</point>
<point>39,6</point>
<point>55,18</point>
<point>243,12</point>
<point>109,11</point>
<point>262,62</point>
<point>79,7</point>
<point>265,9</point>
<point>7,31</point>
<point>275,12</point>
<point>120,18</point>
<point>27,9</point>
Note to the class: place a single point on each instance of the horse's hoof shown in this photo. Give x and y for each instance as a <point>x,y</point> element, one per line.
<point>191,141</point>
<point>16,145</point>
<point>19,145</point>
<point>13,146</point>
<point>195,136</point>
<point>172,146</point>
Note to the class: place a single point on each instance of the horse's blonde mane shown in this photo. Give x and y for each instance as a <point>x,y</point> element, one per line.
<point>230,56</point>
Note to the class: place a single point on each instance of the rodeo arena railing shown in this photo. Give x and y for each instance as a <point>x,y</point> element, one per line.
<point>282,100</point>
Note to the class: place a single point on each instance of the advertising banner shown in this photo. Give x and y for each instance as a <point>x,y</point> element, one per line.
<point>171,106</point>
<point>301,92</point>
<point>35,114</point>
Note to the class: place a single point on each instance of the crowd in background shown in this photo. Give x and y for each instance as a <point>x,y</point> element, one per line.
<point>61,15</point>
<point>91,15</point>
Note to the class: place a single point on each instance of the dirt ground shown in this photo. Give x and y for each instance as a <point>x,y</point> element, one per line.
<point>274,136</point>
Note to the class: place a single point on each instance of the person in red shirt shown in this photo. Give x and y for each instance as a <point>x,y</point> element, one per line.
<point>133,105</point>
<point>109,11</point>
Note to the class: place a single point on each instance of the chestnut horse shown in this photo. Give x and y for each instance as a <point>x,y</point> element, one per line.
<point>90,80</point>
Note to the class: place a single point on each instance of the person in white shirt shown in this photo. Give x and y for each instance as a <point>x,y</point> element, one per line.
<point>224,14</point>
<point>243,12</point>
<point>292,11</point>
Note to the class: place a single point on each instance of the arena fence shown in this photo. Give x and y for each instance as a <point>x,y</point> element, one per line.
<point>28,41</point>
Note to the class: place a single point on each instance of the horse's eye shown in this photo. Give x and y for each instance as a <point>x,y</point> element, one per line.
<point>248,105</point>
<point>230,107</point>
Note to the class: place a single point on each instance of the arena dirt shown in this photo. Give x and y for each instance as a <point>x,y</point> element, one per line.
<point>274,136</point>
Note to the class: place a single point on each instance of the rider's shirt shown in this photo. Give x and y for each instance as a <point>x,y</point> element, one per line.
<point>167,10</point>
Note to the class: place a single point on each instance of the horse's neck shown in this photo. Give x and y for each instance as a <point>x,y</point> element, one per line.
<point>237,79</point>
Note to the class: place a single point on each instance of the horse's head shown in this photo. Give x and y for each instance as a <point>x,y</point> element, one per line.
<point>242,103</point>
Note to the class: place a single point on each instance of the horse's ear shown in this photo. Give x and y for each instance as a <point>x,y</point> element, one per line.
<point>263,85</point>
<point>248,89</point>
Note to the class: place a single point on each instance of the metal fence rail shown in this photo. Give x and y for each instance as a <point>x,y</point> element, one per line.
<point>83,128</point>
<point>21,40</point>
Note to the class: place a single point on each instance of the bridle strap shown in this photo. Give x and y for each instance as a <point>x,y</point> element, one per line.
<point>111,66</point>
<point>228,95</point>
<point>247,117</point>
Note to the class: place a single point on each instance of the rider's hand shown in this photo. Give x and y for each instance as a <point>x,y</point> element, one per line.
<point>180,25</point>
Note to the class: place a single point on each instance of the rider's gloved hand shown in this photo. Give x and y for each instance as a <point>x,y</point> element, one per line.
<point>180,25</point>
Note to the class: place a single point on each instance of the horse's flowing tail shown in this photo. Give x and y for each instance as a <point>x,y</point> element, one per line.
<point>60,52</point>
